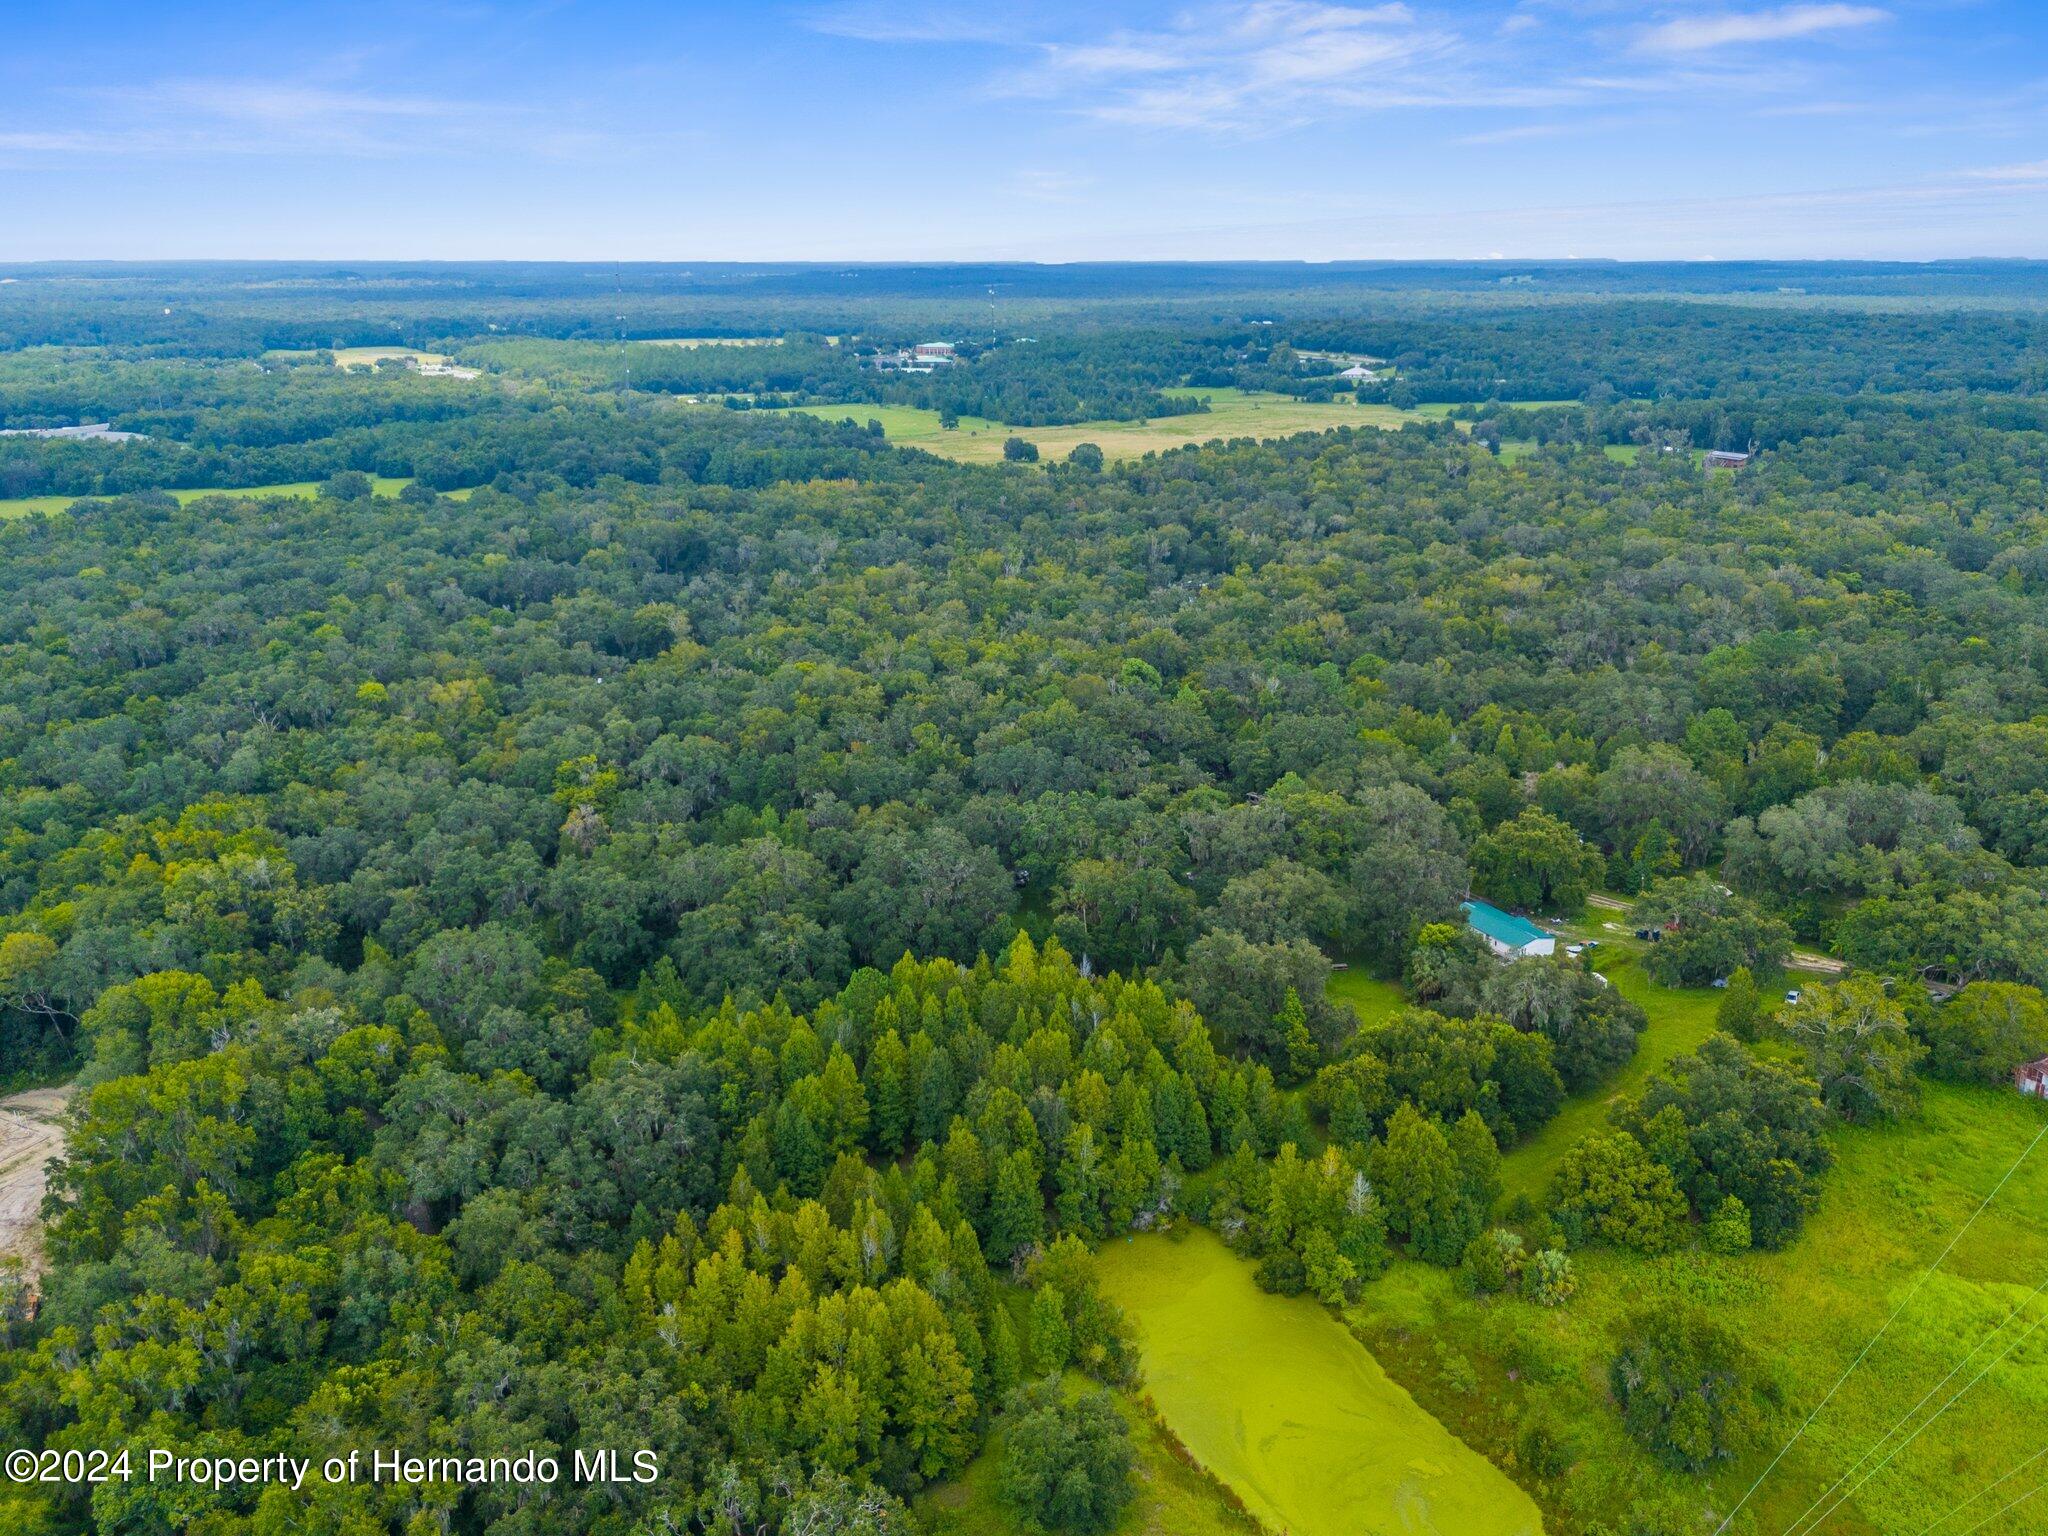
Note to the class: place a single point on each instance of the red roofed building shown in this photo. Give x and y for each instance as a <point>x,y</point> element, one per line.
<point>2032,1077</point>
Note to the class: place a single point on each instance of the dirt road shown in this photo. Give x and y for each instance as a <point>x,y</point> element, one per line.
<point>30,1135</point>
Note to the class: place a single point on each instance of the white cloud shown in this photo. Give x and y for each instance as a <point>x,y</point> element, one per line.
<point>1244,67</point>
<point>1519,132</point>
<point>268,117</point>
<point>1048,185</point>
<point>882,23</point>
<point>2030,171</point>
<point>1687,34</point>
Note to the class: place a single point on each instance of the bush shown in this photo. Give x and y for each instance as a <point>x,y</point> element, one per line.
<point>1741,1010</point>
<point>1687,1387</point>
<point>1492,1262</point>
<point>1067,1462</point>
<point>1727,1230</point>
<point>1543,1449</point>
<point>1609,1189</point>
<point>348,485</point>
<point>1984,1031</point>
<point>1547,1279</point>
<point>1020,450</point>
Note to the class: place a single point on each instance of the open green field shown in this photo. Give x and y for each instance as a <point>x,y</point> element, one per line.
<point>1231,413</point>
<point>1894,1199</point>
<point>370,357</point>
<point>1272,1395</point>
<point>385,485</point>
<point>1371,997</point>
<point>1171,1498</point>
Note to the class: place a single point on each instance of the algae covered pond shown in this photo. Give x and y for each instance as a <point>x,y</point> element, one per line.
<point>1275,1397</point>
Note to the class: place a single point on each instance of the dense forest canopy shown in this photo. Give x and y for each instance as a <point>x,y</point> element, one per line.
<point>687,945</point>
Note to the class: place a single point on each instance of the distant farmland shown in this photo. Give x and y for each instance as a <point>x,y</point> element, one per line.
<point>1231,413</point>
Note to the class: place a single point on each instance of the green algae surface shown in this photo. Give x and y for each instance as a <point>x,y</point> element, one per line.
<point>1275,1397</point>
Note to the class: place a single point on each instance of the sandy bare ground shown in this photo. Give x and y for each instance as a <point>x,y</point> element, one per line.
<point>31,1133</point>
<point>1806,960</point>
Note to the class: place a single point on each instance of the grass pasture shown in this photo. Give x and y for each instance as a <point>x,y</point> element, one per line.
<point>384,485</point>
<point>370,357</point>
<point>1274,1397</point>
<point>1232,413</point>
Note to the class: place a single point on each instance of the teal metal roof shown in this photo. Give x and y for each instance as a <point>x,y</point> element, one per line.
<point>1502,927</point>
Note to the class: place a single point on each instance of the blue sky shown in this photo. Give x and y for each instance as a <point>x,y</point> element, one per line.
<point>859,129</point>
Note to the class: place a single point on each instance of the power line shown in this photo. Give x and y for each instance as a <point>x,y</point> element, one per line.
<point>1728,1519</point>
<point>2015,1504</point>
<point>1973,1498</point>
<point>1944,1408</point>
<point>1907,1416</point>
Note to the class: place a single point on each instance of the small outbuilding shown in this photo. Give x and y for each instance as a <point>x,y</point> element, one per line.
<point>1509,936</point>
<point>2032,1078</point>
<point>1721,458</point>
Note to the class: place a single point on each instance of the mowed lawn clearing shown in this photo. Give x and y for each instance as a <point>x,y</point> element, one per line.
<point>1371,997</point>
<point>1275,1397</point>
<point>382,485</point>
<point>1231,413</point>
<point>1680,1018</point>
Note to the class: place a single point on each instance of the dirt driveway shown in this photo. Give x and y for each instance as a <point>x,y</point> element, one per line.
<point>30,1135</point>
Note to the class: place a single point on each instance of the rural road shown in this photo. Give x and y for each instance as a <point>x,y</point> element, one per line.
<point>30,1135</point>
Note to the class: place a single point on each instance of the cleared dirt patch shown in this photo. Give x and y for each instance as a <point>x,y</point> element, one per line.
<point>31,1133</point>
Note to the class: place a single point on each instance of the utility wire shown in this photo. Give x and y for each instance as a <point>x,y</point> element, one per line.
<point>1944,1408</point>
<point>1729,1518</point>
<point>1906,1417</point>
<point>2015,1504</point>
<point>1973,1498</point>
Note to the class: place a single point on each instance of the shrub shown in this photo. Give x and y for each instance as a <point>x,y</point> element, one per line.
<point>1492,1262</point>
<point>1984,1031</point>
<point>1547,1279</point>
<point>1609,1189</point>
<point>1066,1461</point>
<point>1727,1230</point>
<point>1543,1449</point>
<point>1741,1009</point>
<point>1687,1387</point>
